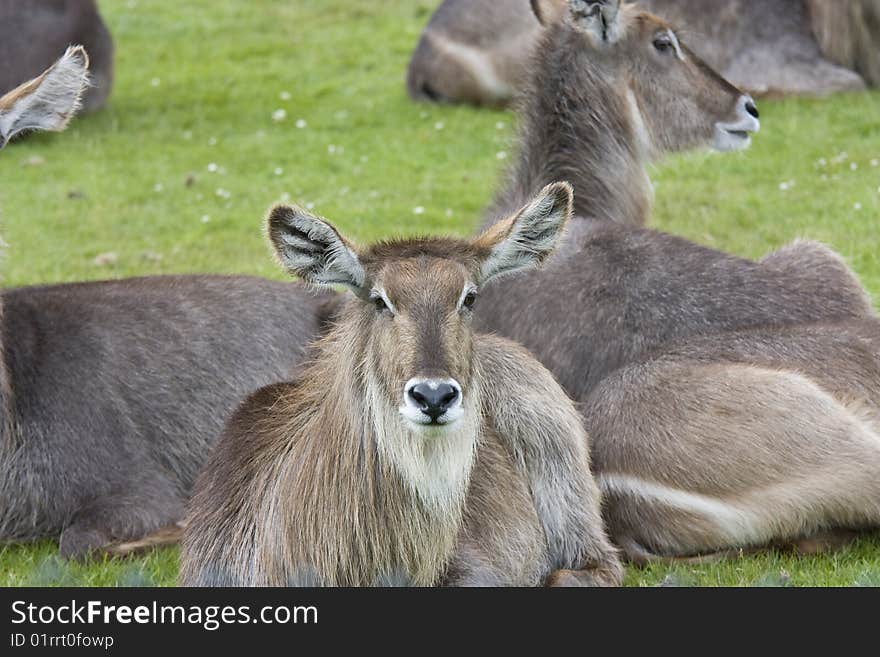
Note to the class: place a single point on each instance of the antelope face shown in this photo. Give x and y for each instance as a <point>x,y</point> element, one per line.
<point>684,102</point>
<point>420,344</point>
<point>415,299</point>
<point>674,100</point>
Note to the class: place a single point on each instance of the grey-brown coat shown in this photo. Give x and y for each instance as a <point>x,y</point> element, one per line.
<point>112,394</point>
<point>731,403</point>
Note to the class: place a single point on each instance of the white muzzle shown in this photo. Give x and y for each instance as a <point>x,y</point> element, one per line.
<point>737,135</point>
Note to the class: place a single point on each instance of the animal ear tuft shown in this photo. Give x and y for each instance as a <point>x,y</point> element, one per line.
<point>527,238</point>
<point>311,248</point>
<point>548,11</point>
<point>49,101</point>
<point>601,19</point>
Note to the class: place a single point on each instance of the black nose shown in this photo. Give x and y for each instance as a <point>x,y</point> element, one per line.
<point>752,109</point>
<point>433,399</point>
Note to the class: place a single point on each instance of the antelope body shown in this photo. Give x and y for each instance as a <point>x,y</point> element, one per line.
<point>477,51</point>
<point>112,394</point>
<point>410,451</point>
<point>757,437</point>
<point>721,395</point>
<point>459,58</point>
<point>34,33</point>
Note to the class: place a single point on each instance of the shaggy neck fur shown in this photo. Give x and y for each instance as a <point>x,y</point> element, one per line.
<point>15,494</point>
<point>579,126</point>
<point>361,498</point>
<point>8,426</point>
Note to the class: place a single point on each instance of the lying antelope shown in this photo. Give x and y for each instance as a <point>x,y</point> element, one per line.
<point>756,437</point>
<point>477,51</point>
<point>730,403</point>
<point>460,58</point>
<point>112,394</point>
<point>35,32</point>
<point>49,101</point>
<point>411,450</point>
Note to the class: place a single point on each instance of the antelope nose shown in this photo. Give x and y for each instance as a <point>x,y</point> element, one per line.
<point>433,398</point>
<point>752,109</point>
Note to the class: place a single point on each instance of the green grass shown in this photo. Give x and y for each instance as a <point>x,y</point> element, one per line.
<point>40,565</point>
<point>197,85</point>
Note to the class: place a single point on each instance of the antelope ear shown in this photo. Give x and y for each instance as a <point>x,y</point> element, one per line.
<point>527,238</point>
<point>601,19</point>
<point>49,101</point>
<point>309,247</point>
<point>548,11</point>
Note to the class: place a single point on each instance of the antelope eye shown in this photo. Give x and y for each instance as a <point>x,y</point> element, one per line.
<point>663,43</point>
<point>469,300</point>
<point>379,303</point>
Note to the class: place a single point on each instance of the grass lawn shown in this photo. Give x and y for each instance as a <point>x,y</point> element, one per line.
<point>223,107</point>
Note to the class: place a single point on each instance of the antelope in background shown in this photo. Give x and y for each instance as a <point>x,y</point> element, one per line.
<point>49,101</point>
<point>411,449</point>
<point>730,403</point>
<point>112,394</point>
<point>459,58</point>
<point>477,51</point>
<point>34,32</point>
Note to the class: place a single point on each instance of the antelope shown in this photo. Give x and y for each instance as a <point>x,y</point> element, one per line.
<point>49,101</point>
<point>112,394</point>
<point>741,440</point>
<point>33,33</point>
<point>599,136</point>
<point>410,450</point>
<point>718,392</point>
<point>478,51</point>
<point>458,60</point>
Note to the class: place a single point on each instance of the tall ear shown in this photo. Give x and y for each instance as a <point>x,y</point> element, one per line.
<point>49,101</point>
<point>529,237</point>
<point>312,249</point>
<point>601,19</point>
<point>548,11</point>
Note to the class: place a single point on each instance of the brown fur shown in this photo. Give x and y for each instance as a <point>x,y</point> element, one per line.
<point>744,440</point>
<point>323,481</point>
